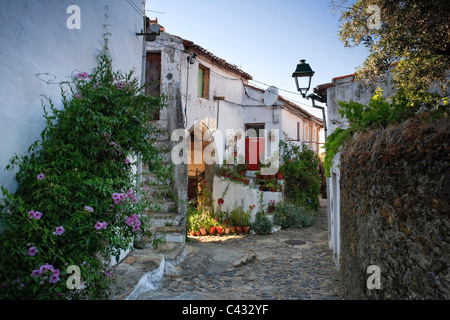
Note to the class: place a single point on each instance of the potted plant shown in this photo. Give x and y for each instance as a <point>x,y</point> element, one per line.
<point>271,205</point>
<point>246,219</point>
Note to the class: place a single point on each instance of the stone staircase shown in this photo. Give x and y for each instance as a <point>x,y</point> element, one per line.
<point>166,220</point>
<point>143,269</point>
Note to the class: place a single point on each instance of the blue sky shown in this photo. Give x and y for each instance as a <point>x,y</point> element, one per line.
<point>265,38</point>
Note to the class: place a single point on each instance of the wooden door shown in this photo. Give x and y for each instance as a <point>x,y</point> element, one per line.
<point>153,76</point>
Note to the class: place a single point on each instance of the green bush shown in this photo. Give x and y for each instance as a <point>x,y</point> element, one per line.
<point>262,224</point>
<point>379,113</point>
<point>288,215</point>
<point>302,178</point>
<point>76,202</point>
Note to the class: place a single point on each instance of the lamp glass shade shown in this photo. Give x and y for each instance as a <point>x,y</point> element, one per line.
<point>303,75</point>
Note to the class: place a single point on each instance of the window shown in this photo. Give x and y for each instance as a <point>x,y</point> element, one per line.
<point>298,134</point>
<point>203,82</point>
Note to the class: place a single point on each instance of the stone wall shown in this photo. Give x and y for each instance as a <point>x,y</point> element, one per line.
<point>395,211</point>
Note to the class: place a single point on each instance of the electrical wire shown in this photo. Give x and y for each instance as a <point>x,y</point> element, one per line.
<point>135,7</point>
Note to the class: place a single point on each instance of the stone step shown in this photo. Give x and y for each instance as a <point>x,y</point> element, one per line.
<point>150,179</point>
<point>162,205</point>
<point>141,271</point>
<point>161,219</point>
<point>159,191</point>
<point>171,233</point>
<point>162,123</point>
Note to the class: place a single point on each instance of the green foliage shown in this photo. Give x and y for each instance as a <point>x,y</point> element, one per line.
<point>335,140</point>
<point>379,113</point>
<point>412,41</point>
<point>76,202</point>
<point>301,175</point>
<point>262,224</point>
<point>288,215</point>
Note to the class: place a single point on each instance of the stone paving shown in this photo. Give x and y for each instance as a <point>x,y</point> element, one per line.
<point>256,267</point>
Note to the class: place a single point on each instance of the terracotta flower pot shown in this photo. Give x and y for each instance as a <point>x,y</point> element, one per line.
<point>227,230</point>
<point>212,230</point>
<point>239,229</point>
<point>219,230</point>
<point>246,229</point>
<point>192,233</point>
<point>233,229</point>
<point>203,231</point>
<point>198,233</point>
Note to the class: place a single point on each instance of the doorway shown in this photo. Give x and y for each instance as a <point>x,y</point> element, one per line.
<point>254,145</point>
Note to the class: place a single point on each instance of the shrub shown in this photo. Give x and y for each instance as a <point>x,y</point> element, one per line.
<point>301,175</point>
<point>288,215</point>
<point>76,203</point>
<point>262,224</point>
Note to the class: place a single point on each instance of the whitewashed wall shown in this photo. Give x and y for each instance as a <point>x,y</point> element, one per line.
<point>35,39</point>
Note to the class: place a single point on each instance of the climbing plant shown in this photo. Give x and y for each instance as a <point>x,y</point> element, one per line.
<point>77,203</point>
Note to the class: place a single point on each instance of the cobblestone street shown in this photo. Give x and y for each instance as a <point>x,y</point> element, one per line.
<point>287,265</point>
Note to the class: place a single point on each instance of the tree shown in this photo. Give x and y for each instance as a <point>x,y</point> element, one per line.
<point>410,38</point>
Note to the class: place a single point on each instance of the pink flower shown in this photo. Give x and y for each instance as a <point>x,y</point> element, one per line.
<point>32,251</point>
<point>59,230</point>
<point>54,278</point>
<point>34,214</point>
<point>83,75</point>
<point>127,161</point>
<point>36,273</point>
<point>104,225</point>
<point>45,267</point>
<point>88,208</point>
<point>98,225</point>
<point>77,95</point>
<point>41,176</point>
<point>291,160</point>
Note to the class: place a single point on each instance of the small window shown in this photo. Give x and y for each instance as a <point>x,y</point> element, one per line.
<point>203,82</point>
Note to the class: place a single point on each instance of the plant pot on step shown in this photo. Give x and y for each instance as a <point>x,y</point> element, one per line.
<point>193,233</point>
<point>239,229</point>
<point>219,230</point>
<point>232,229</point>
<point>227,230</point>
<point>198,233</point>
<point>203,231</point>
<point>212,230</point>
<point>246,229</point>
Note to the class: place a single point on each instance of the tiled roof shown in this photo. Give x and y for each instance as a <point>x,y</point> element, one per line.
<point>291,106</point>
<point>189,45</point>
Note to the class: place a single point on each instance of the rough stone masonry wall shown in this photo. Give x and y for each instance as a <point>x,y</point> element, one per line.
<point>395,211</point>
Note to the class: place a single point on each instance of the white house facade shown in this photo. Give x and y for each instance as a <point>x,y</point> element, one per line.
<point>216,101</point>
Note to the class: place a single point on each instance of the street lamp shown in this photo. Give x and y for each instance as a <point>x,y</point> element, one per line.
<point>303,75</point>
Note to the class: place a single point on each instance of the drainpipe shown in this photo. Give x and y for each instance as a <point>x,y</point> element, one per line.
<point>218,98</point>
<point>315,97</point>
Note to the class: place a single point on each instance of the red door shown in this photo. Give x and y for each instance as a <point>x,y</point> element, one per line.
<point>254,151</point>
